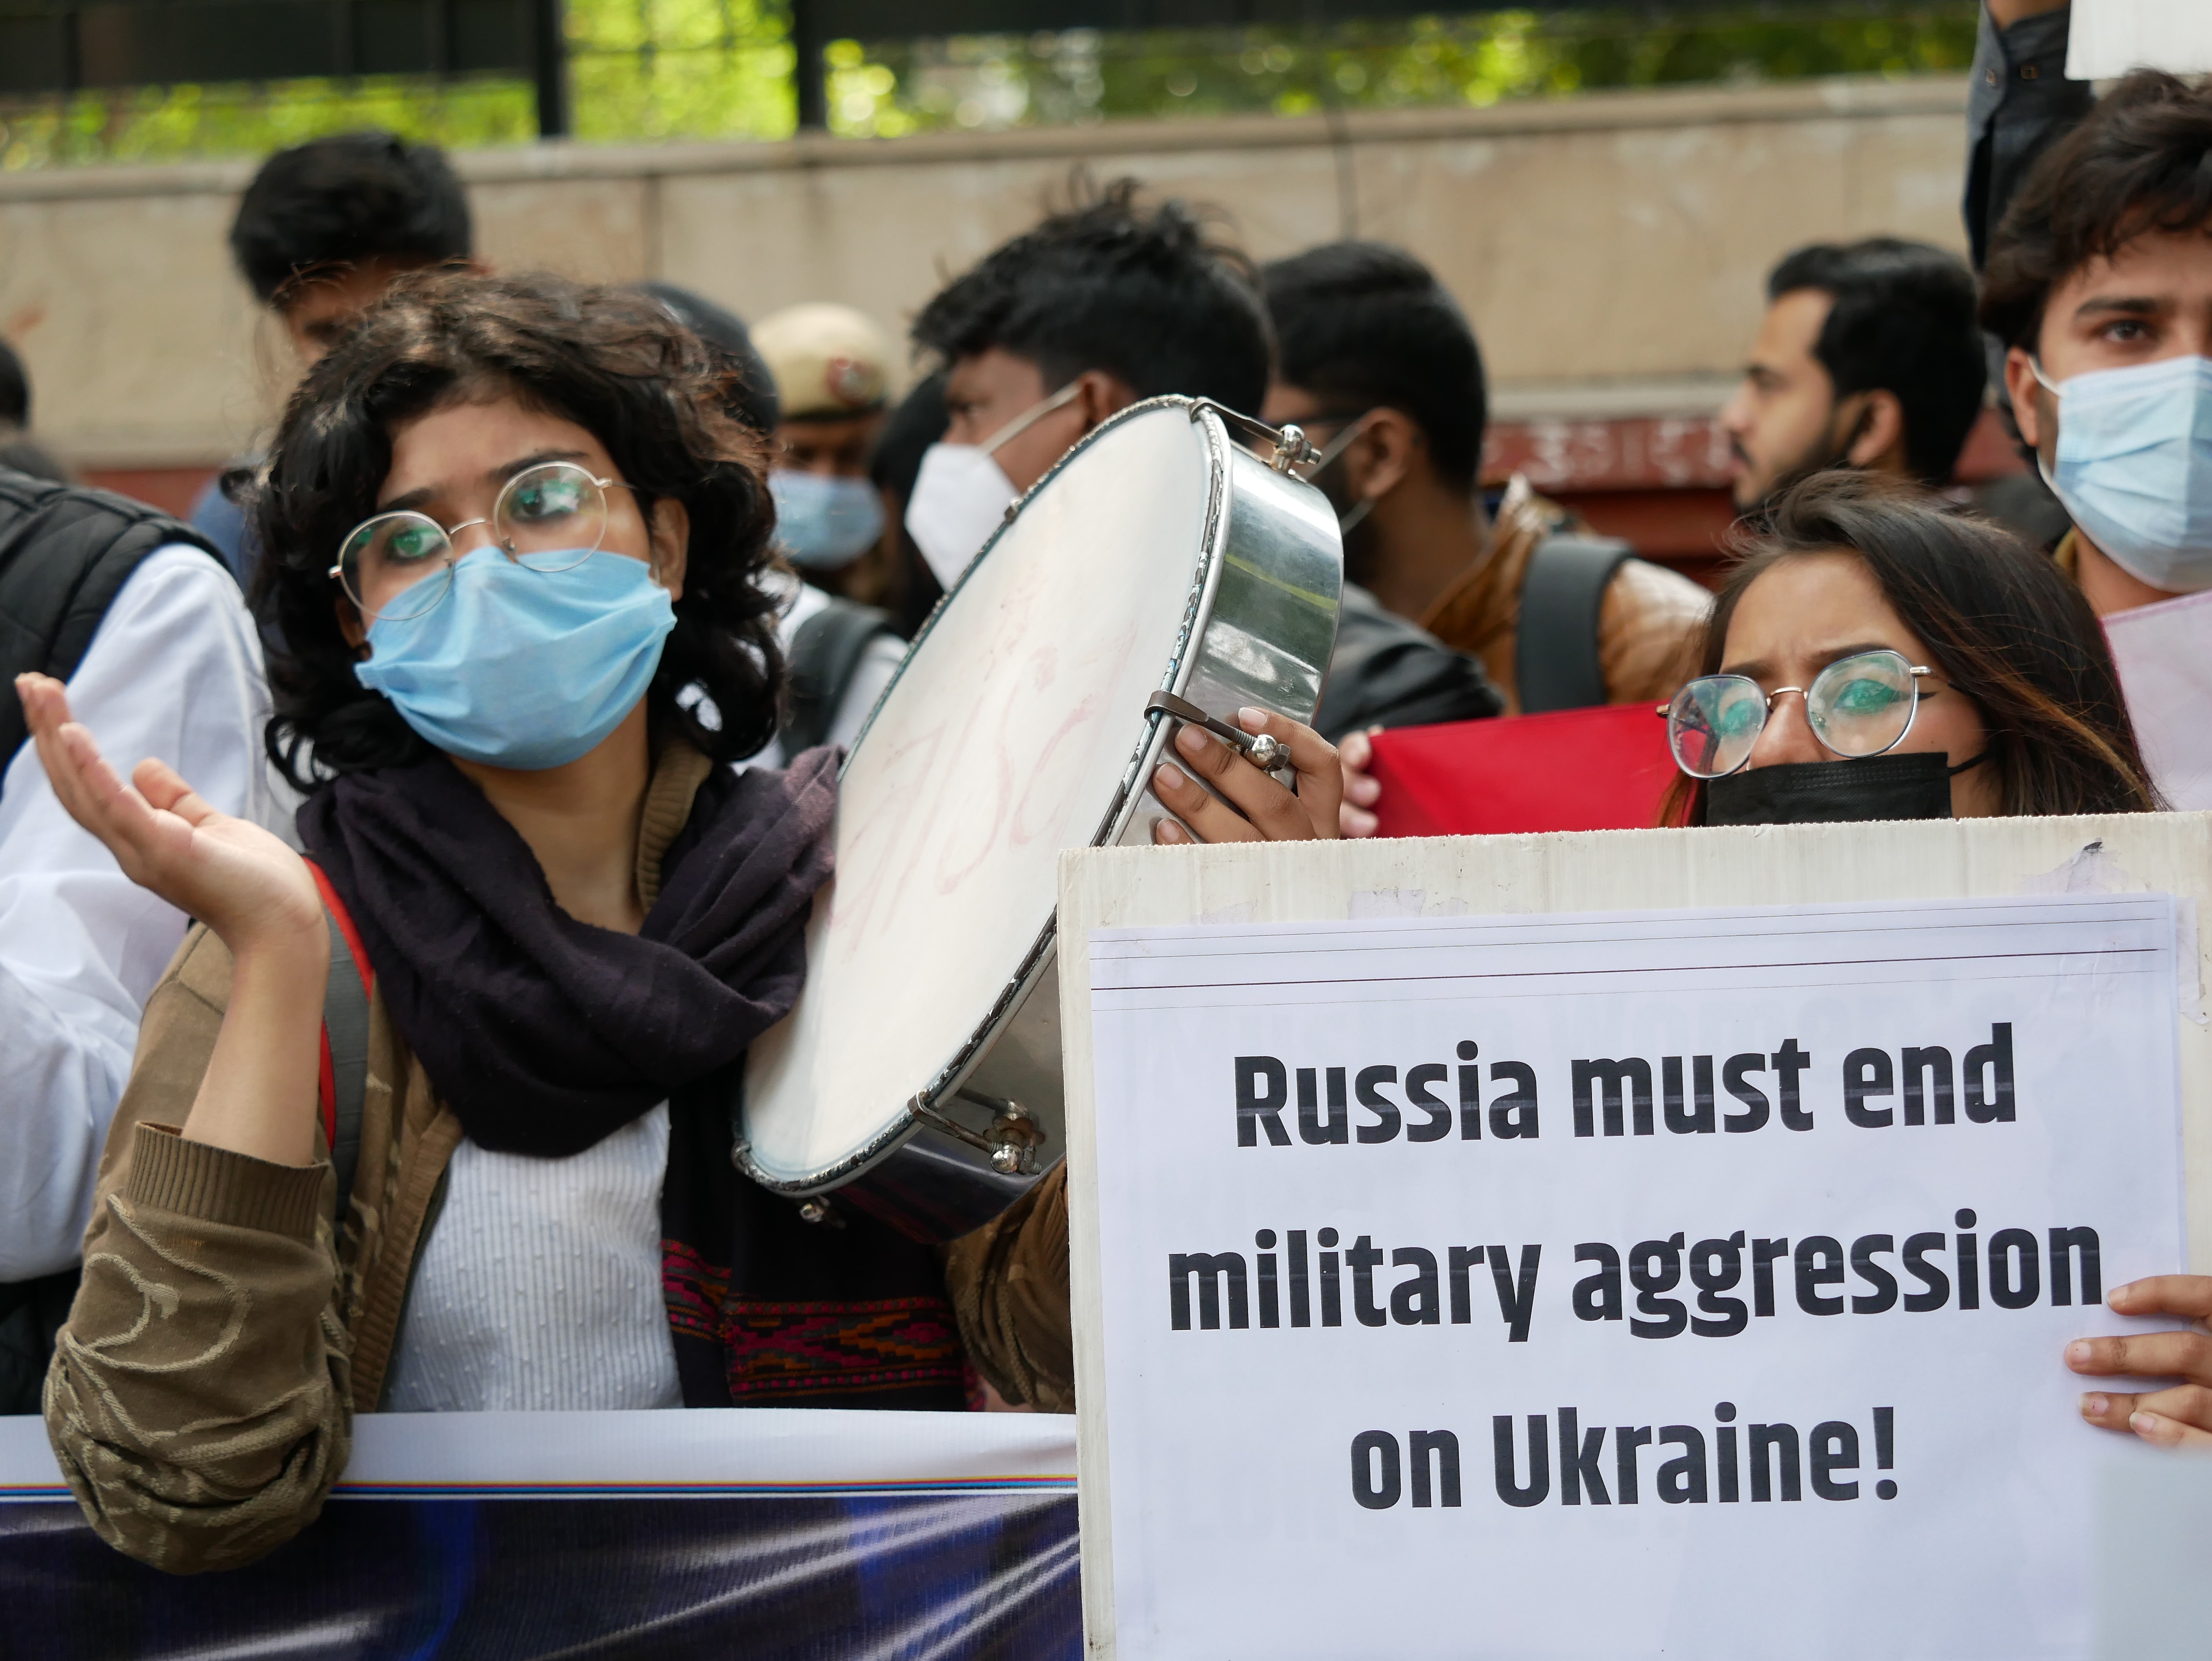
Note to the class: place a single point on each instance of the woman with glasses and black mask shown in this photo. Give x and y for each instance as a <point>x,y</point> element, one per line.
<point>1876,655</point>
<point>515,546</point>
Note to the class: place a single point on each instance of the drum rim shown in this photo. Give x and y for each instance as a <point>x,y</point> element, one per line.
<point>1205,586</point>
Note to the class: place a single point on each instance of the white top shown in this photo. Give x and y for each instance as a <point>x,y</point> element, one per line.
<point>176,671</point>
<point>540,1286</point>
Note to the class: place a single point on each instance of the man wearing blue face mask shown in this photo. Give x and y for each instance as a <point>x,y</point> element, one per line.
<point>2098,283</point>
<point>828,363</point>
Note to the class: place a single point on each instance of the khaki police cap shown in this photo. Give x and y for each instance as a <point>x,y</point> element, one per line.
<point>828,361</point>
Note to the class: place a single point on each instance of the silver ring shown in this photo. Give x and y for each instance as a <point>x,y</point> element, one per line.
<point>1266,752</point>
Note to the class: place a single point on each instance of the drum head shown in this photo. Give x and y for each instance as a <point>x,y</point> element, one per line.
<point>1006,738</point>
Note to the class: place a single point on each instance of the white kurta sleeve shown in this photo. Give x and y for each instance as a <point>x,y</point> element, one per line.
<point>879,661</point>
<point>174,672</point>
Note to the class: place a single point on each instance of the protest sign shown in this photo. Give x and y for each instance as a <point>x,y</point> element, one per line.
<point>1616,1283</point>
<point>513,1537</point>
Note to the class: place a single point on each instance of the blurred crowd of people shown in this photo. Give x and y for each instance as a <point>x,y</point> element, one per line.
<point>526,802</point>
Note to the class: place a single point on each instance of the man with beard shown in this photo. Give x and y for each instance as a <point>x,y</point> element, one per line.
<point>1868,356</point>
<point>1378,365</point>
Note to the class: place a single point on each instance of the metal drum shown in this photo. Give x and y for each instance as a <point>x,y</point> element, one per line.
<point>919,1073</point>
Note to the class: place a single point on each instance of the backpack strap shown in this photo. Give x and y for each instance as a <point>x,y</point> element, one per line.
<point>1556,664</point>
<point>825,650</point>
<point>345,1036</point>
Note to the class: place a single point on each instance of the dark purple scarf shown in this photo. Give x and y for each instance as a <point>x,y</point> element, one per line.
<point>545,1035</point>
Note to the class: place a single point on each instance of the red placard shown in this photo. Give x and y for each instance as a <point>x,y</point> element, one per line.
<point>1573,770</point>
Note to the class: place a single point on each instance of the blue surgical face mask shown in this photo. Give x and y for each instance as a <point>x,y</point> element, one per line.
<point>2133,466</point>
<point>523,668</point>
<point>824,522</point>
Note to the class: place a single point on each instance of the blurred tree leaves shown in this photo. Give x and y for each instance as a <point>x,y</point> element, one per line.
<point>647,70</point>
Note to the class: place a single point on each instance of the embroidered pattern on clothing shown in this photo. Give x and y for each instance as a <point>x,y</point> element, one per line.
<point>693,1290</point>
<point>892,1343</point>
<point>785,1350</point>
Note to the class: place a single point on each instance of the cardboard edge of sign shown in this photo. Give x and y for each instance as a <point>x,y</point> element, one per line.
<point>1563,872</point>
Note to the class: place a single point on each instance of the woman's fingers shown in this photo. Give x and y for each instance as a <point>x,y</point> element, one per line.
<point>45,709</point>
<point>167,792</point>
<point>1267,810</point>
<point>1244,804</point>
<point>2144,1355</point>
<point>95,796</point>
<point>1210,819</point>
<point>2188,1295</point>
<point>91,790</point>
<point>2116,1409</point>
<point>2162,1432</point>
<point>1321,773</point>
<point>1356,756</point>
<point>2180,1415</point>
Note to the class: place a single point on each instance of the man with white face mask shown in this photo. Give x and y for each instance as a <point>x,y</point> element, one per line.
<point>2099,285</point>
<point>1094,309</point>
<point>1099,307</point>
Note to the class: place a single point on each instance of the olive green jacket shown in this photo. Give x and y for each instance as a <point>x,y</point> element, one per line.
<point>201,1397</point>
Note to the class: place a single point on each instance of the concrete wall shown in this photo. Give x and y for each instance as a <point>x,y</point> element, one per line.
<point>1610,247</point>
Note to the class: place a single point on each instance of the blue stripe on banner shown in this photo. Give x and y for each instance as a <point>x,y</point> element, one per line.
<point>48,1493</point>
<point>965,1576</point>
<point>799,1536</point>
<point>692,1490</point>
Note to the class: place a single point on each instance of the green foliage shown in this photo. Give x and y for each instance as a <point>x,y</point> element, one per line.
<point>1084,74</point>
<point>645,71</point>
<point>172,124</point>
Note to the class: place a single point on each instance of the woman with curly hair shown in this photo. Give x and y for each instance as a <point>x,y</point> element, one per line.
<point>516,547</point>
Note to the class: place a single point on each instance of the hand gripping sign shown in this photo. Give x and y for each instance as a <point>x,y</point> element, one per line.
<point>1613,1281</point>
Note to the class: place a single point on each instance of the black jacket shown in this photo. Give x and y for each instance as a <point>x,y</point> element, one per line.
<point>1386,672</point>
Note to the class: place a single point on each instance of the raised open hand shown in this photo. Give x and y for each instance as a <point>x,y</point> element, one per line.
<point>233,876</point>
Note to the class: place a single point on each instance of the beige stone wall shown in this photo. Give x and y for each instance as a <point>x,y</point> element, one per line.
<point>1610,248</point>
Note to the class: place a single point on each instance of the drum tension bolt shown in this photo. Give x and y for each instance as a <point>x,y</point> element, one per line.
<point>1292,449</point>
<point>1011,1141</point>
<point>819,1210</point>
<point>1013,1135</point>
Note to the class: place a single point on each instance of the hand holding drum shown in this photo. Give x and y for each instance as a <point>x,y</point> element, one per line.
<point>1249,803</point>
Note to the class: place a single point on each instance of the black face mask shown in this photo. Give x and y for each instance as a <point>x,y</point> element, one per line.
<point>1892,787</point>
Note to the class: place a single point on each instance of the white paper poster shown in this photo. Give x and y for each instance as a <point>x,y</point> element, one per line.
<point>1685,1283</point>
<point>2164,654</point>
<point>2107,38</point>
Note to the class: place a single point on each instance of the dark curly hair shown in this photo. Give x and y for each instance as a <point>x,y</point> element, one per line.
<point>2004,625</point>
<point>611,360</point>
